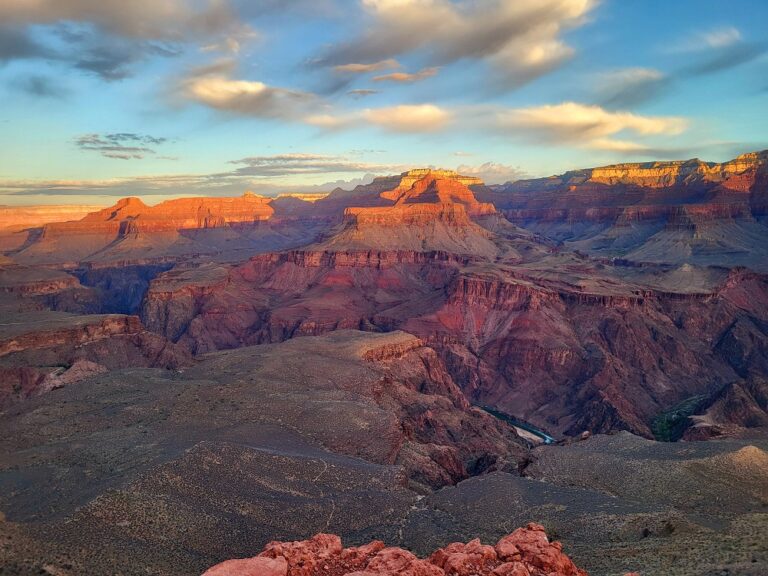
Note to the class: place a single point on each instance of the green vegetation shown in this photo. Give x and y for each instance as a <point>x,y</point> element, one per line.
<point>670,425</point>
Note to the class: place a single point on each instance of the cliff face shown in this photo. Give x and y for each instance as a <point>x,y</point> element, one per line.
<point>667,212</point>
<point>563,356</point>
<point>41,352</point>
<point>131,231</point>
<point>19,217</point>
<point>426,211</point>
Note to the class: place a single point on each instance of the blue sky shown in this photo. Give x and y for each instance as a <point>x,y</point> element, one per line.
<point>163,98</point>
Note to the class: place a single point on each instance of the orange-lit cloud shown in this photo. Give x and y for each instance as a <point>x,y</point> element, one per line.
<point>356,68</point>
<point>407,78</point>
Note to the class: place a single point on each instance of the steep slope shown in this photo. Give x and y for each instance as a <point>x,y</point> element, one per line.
<point>13,218</point>
<point>676,212</point>
<point>184,228</point>
<point>431,211</point>
<point>562,341</point>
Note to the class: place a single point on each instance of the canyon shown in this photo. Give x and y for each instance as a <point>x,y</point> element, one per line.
<point>420,360</point>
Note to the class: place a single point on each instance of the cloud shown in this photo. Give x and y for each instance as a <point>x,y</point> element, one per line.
<point>629,87</point>
<point>404,119</point>
<point>41,87</point>
<point>493,172</point>
<point>708,39</point>
<point>587,126</point>
<point>107,38</point>
<point>707,53</point>
<point>145,19</point>
<point>409,118</point>
<point>725,58</point>
<point>353,68</point>
<point>270,175</point>
<point>521,39</point>
<point>214,86</point>
<point>17,43</point>
<point>300,164</point>
<point>717,50</point>
<point>407,78</point>
<point>362,92</point>
<point>120,146</point>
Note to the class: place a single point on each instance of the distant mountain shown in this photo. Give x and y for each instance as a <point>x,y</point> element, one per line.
<point>626,297</point>
<point>666,212</point>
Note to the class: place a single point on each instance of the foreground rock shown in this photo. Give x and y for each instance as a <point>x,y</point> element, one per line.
<point>525,552</point>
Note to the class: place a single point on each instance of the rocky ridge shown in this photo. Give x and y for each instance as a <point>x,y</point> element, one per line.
<point>687,211</point>
<point>525,552</point>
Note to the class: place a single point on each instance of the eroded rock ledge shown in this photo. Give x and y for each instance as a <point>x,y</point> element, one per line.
<point>525,552</point>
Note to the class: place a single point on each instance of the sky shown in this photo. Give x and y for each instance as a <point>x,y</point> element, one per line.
<point>101,99</point>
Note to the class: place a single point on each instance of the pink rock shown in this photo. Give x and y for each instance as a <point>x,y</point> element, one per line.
<point>396,561</point>
<point>465,559</point>
<point>525,552</point>
<point>511,569</point>
<point>250,567</point>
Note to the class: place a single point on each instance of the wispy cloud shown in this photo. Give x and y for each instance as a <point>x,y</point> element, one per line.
<point>717,50</point>
<point>41,86</point>
<point>362,92</point>
<point>406,77</point>
<point>282,165</point>
<point>708,39</point>
<point>357,68</point>
<point>628,87</point>
<point>270,175</point>
<point>120,146</point>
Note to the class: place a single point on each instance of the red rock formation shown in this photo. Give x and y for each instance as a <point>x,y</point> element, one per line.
<point>19,217</point>
<point>525,552</point>
<point>131,230</point>
<point>564,356</point>
<point>47,353</point>
<point>671,212</point>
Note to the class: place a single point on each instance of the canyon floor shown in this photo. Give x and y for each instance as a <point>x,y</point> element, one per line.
<point>170,472</point>
<point>182,383</point>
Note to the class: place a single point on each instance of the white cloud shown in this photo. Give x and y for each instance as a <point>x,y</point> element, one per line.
<point>406,118</point>
<point>588,126</point>
<point>214,87</point>
<point>715,38</point>
<point>492,172</point>
<point>409,118</point>
<point>522,39</point>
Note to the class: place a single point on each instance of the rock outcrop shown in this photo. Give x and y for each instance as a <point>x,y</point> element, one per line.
<point>567,353</point>
<point>525,552</point>
<point>41,352</point>
<point>133,232</point>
